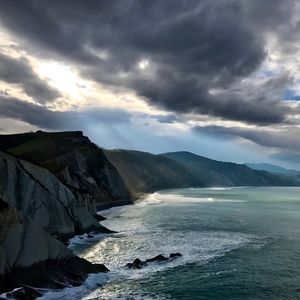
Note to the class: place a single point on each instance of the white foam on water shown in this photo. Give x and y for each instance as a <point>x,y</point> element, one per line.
<point>112,292</point>
<point>136,239</point>
<point>97,286</point>
<point>139,238</point>
<point>93,281</point>
<point>116,252</point>
<point>157,198</point>
<point>7,296</point>
<point>85,239</point>
<point>212,189</point>
<point>113,211</point>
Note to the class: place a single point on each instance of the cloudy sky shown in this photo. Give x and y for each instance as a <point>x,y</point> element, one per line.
<point>219,78</point>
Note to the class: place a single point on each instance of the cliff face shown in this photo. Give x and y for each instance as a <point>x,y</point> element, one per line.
<point>75,160</point>
<point>43,198</point>
<point>31,257</point>
<point>35,206</point>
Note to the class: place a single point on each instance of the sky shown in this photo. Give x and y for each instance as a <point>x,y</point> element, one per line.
<point>218,78</point>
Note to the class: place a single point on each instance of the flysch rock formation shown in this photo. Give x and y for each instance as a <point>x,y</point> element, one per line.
<point>30,258</point>
<point>39,195</point>
<point>75,161</point>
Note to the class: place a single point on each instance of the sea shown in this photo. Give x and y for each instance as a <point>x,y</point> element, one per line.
<point>236,243</point>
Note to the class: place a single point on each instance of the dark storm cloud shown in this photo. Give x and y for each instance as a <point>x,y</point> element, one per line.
<point>192,47</point>
<point>18,71</point>
<point>287,156</point>
<point>42,117</point>
<point>282,139</point>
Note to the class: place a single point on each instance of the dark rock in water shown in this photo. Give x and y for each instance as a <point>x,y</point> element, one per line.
<point>177,254</point>
<point>51,274</point>
<point>55,274</point>
<point>30,257</point>
<point>23,293</point>
<point>136,264</point>
<point>77,265</point>
<point>99,218</point>
<point>89,236</point>
<point>157,258</point>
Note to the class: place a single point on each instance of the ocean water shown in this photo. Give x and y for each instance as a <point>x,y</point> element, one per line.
<point>237,243</point>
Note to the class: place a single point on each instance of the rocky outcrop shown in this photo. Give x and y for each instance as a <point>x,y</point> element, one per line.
<point>29,257</point>
<point>138,264</point>
<point>39,195</point>
<point>35,207</point>
<point>91,176</point>
<point>76,161</point>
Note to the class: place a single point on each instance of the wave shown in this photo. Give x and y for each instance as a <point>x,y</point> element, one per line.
<point>212,189</point>
<point>157,198</point>
<point>144,231</point>
<point>93,281</point>
<point>117,250</point>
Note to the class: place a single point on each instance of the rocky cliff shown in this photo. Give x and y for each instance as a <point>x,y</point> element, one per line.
<point>39,195</point>
<point>76,161</point>
<point>32,259</point>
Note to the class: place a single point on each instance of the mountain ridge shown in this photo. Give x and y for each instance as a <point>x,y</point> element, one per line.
<point>272,168</point>
<point>219,173</point>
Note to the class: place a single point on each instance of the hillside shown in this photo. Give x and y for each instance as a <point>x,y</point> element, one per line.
<point>146,172</point>
<point>217,173</point>
<point>272,168</point>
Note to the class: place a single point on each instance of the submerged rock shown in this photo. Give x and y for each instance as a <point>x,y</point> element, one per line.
<point>138,264</point>
<point>23,293</point>
<point>174,255</point>
<point>99,218</point>
<point>157,258</point>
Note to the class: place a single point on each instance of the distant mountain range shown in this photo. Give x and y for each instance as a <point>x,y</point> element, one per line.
<point>272,168</point>
<point>218,173</point>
